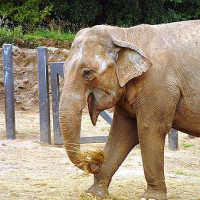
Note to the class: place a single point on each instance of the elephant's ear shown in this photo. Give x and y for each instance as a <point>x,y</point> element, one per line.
<point>130,64</point>
<point>131,61</point>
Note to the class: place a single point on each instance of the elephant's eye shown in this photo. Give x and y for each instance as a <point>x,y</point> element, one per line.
<point>89,74</point>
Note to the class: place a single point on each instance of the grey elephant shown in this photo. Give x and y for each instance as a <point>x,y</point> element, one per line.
<point>151,74</point>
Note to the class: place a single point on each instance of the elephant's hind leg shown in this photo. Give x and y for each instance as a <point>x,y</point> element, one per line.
<point>154,122</point>
<point>122,138</point>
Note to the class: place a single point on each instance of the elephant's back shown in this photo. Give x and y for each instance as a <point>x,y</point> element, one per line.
<point>176,39</point>
<point>179,38</point>
<point>175,49</point>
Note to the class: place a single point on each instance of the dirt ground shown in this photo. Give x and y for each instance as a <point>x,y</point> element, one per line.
<point>33,171</point>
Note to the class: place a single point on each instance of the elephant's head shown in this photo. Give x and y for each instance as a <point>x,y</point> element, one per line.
<point>99,65</point>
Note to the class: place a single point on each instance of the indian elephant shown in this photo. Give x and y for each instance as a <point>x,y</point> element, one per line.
<point>151,75</point>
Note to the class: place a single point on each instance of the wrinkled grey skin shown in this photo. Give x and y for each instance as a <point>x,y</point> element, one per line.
<point>151,74</point>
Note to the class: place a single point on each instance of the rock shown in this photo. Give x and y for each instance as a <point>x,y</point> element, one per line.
<point>53,49</point>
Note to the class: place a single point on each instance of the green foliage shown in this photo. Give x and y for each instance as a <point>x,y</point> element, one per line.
<point>122,13</point>
<point>165,11</point>
<point>42,33</point>
<point>16,37</point>
<point>79,14</point>
<point>8,36</point>
<point>26,13</point>
<point>75,14</point>
<point>30,13</point>
<point>31,40</point>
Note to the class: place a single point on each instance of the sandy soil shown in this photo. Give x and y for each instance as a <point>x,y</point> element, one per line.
<point>33,171</point>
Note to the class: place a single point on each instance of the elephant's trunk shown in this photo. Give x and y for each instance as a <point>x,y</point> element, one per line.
<point>70,124</point>
<point>71,106</point>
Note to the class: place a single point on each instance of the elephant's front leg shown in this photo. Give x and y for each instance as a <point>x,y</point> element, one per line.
<point>122,138</point>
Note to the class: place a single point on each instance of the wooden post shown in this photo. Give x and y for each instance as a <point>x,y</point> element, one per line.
<point>43,88</point>
<point>9,91</point>
<point>56,70</point>
<point>173,139</point>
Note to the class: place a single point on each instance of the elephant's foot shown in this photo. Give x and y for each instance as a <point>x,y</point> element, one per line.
<point>154,195</point>
<point>98,191</point>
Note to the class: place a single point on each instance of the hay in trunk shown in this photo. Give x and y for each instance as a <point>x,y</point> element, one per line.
<point>86,158</point>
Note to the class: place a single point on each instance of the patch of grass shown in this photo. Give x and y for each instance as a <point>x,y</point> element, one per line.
<point>178,172</point>
<point>41,33</point>
<point>184,174</point>
<point>16,36</point>
<point>186,145</point>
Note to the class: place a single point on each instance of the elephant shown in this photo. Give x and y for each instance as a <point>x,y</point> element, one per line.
<point>150,74</point>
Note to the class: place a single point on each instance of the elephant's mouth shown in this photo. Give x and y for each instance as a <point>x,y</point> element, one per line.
<point>90,101</point>
<point>92,107</point>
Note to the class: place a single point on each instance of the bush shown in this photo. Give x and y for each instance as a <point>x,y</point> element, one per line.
<point>75,14</point>
<point>26,13</point>
<point>165,11</point>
